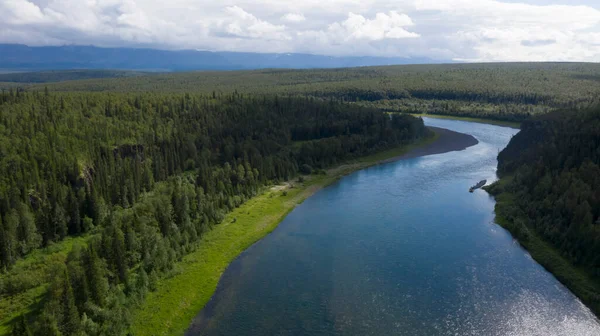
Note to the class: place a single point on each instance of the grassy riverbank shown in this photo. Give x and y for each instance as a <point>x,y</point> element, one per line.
<point>477,120</point>
<point>170,309</point>
<point>577,280</point>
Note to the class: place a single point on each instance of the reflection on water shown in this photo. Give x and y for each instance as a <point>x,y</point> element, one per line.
<point>401,248</point>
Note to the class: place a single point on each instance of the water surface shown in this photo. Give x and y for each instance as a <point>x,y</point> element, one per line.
<point>401,248</point>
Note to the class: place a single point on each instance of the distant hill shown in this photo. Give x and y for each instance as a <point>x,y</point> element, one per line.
<point>502,91</point>
<point>17,56</point>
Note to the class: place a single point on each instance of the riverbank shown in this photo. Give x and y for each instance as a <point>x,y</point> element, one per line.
<point>510,124</point>
<point>577,280</point>
<point>448,141</point>
<point>177,300</point>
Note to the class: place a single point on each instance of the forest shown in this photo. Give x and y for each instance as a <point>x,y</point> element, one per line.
<point>549,196</point>
<point>131,182</point>
<point>49,76</point>
<point>105,183</point>
<point>501,91</point>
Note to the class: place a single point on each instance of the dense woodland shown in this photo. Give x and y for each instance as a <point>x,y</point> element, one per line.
<point>65,75</point>
<point>552,169</point>
<point>133,171</point>
<point>507,91</point>
<point>141,177</point>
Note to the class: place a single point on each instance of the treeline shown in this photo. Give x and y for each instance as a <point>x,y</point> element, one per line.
<point>145,175</point>
<point>511,112</point>
<point>355,94</point>
<point>65,75</point>
<point>509,91</point>
<point>552,174</point>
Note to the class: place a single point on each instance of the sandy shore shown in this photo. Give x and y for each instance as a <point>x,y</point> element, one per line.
<point>447,141</point>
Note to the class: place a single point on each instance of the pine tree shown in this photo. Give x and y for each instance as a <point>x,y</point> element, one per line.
<point>4,252</point>
<point>28,236</point>
<point>69,323</point>
<point>21,327</point>
<point>91,205</point>
<point>95,275</point>
<point>142,282</point>
<point>59,221</point>
<point>47,326</point>
<point>44,223</point>
<point>74,224</point>
<point>11,223</point>
<point>119,255</point>
<point>77,276</point>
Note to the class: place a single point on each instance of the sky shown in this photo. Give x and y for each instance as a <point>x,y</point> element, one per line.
<point>460,30</point>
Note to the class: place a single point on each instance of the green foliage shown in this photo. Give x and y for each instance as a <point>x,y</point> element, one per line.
<point>501,91</point>
<point>176,299</point>
<point>306,169</point>
<point>65,75</point>
<point>552,196</point>
<point>21,327</point>
<point>143,177</point>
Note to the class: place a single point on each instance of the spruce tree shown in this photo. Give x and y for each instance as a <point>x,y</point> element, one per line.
<point>119,256</point>
<point>95,276</point>
<point>47,326</point>
<point>4,254</point>
<point>28,236</point>
<point>69,323</point>
<point>11,224</point>
<point>21,327</point>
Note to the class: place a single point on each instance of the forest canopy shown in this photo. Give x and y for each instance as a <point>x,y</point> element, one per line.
<point>503,91</point>
<point>551,190</point>
<point>139,177</point>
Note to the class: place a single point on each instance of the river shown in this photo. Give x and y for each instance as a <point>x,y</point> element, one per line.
<point>401,248</point>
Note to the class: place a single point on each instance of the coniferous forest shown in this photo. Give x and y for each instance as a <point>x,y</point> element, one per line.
<point>138,178</point>
<point>550,196</point>
<point>105,184</point>
<point>500,91</point>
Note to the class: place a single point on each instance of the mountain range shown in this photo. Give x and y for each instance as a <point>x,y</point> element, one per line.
<point>22,57</point>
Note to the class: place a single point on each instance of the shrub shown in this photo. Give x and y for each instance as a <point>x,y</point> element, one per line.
<point>306,169</point>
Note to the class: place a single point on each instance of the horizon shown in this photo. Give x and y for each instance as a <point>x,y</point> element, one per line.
<point>452,30</point>
<point>425,61</point>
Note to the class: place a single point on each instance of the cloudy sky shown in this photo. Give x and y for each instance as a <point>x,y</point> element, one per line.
<point>472,30</point>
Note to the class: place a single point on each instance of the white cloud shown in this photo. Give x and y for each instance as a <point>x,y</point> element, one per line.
<point>491,30</point>
<point>294,17</point>
<point>240,23</point>
<point>21,12</point>
<point>381,27</point>
<point>483,30</point>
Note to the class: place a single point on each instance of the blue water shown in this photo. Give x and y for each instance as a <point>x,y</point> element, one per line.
<point>401,248</point>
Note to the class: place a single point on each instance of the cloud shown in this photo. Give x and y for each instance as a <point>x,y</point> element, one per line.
<point>383,26</point>
<point>483,30</point>
<point>240,23</point>
<point>489,30</point>
<point>293,17</point>
<point>537,43</point>
<point>358,35</point>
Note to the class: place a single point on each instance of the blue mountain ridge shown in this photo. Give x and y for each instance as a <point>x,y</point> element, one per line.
<point>22,57</point>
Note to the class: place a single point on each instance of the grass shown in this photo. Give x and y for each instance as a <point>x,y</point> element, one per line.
<point>178,299</point>
<point>477,120</point>
<point>30,278</point>
<point>577,280</point>
<point>23,287</point>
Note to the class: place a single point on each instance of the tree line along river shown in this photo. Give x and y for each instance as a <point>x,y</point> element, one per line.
<point>401,248</point>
